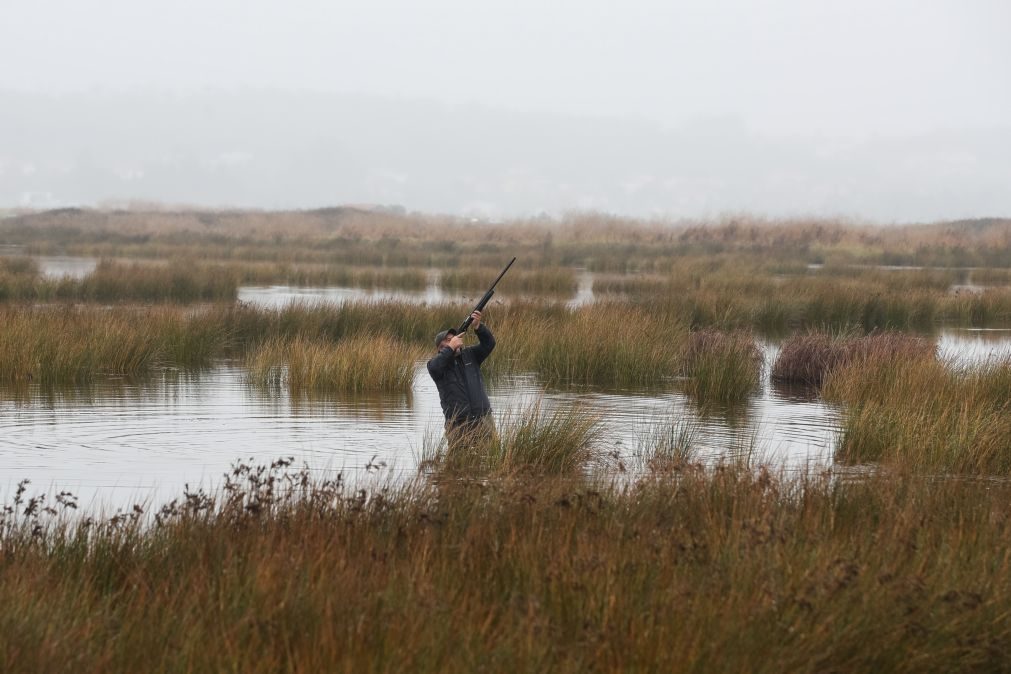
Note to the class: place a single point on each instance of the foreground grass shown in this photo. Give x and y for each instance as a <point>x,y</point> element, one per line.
<point>690,570</point>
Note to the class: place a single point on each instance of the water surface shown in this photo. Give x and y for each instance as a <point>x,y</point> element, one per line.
<point>59,266</point>
<point>121,440</point>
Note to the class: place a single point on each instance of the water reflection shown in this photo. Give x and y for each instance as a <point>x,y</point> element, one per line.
<point>58,266</point>
<point>280,296</point>
<point>798,392</point>
<point>276,297</point>
<point>584,291</point>
<point>966,346</point>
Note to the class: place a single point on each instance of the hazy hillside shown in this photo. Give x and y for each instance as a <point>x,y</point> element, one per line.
<point>284,150</point>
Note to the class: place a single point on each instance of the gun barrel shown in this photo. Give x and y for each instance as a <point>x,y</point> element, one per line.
<point>484,300</point>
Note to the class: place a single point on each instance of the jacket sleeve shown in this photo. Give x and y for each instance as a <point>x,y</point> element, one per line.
<point>486,344</point>
<point>439,364</point>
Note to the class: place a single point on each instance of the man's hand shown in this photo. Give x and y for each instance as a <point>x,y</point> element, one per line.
<point>477,319</point>
<point>455,342</point>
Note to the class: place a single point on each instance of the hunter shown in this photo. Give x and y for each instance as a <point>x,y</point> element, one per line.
<point>457,373</point>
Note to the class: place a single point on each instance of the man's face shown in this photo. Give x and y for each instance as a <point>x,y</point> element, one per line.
<point>447,342</point>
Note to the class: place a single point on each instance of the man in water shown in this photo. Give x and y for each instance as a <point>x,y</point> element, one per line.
<point>457,374</point>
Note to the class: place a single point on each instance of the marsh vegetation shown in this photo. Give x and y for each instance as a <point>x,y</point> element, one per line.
<point>722,569</point>
<point>551,548</point>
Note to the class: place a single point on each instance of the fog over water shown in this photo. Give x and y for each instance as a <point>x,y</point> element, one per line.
<point>887,111</point>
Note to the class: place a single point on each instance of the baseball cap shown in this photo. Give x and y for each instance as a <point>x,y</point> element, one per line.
<point>442,335</point>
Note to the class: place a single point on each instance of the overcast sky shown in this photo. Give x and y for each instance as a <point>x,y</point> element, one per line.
<point>853,71</point>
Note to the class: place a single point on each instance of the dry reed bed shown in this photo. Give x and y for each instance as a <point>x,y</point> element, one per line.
<point>722,299</point>
<point>56,345</point>
<point>477,279</point>
<point>778,307</point>
<point>615,345</point>
<point>738,274</point>
<point>721,570</point>
<point>750,292</point>
<point>598,242</point>
<point>177,281</point>
<point>412,278</point>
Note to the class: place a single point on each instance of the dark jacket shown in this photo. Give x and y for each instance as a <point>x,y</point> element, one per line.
<point>458,378</point>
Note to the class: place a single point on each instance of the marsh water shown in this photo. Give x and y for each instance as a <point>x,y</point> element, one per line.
<point>129,439</point>
<point>121,441</point>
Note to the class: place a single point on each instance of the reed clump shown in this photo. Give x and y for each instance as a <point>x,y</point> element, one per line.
<point>535,440</point>
<point>355,364</point>
<point>715,570</point>
<point>807,358</point>
<point>669,443</point>
<point>53,347</point>
<point>925,415</point>
<point>72,344</point>
<point>531,441</point>
<point>611,344</point>
<point>721,368</point>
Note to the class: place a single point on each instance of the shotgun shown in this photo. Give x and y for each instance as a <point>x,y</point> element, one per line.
<point>484,300</point>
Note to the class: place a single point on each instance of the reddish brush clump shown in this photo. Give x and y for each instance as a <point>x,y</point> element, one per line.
<point>809,358</point>
<point>806,358</point>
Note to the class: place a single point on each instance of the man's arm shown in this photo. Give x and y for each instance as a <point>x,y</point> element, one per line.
<point>440,363</point>
<point>486,343</point>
